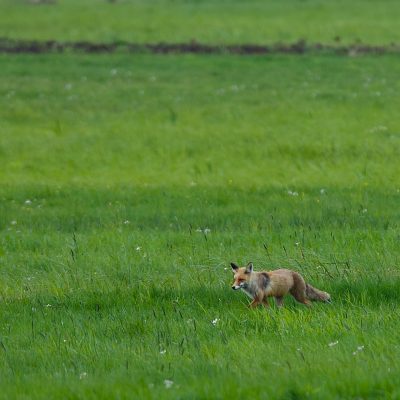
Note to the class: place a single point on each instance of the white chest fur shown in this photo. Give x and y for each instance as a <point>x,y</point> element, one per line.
<point>251,289</point>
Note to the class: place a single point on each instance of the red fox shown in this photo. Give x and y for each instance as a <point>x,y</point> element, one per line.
<point>261,285</point>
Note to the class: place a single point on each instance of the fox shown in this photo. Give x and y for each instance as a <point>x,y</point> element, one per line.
<point>259,286</point>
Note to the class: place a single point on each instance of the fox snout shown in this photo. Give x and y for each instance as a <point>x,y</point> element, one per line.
<point>235,287</point>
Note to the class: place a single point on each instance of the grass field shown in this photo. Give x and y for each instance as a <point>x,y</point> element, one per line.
<point>210,21</point>
<point>129,182</point>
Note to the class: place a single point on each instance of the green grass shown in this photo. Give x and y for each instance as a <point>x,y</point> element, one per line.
<point>112,169</point>
<point>211,21</point>
<point>181,120</point>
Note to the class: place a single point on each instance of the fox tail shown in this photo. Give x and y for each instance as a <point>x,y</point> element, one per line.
<point>316,294</point>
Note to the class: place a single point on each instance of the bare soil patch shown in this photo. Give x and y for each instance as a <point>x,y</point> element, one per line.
<point>299,47</point>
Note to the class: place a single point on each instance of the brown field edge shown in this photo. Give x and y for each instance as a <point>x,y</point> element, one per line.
<point>15,46</point>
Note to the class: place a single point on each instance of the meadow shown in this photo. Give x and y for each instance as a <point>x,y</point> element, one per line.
<point>129,182</point>
<point>209,21</point>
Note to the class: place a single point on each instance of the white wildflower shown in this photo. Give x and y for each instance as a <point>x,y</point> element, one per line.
<point>13,222</point>
<point>163,351</point>
<point>291,193</point>
<point>27,202</point>
<point>168,383</point>
<point>379,128</point>
<point>215,321</point>
<point>138,248</point>
<point>333,343</point>
<point>322,191</point>
<point>359,348</point>
<point>83,375</point>
<point>127,222</point>
<point>204,230</point>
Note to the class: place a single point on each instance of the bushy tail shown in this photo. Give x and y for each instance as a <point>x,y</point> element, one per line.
<point>316,294</point>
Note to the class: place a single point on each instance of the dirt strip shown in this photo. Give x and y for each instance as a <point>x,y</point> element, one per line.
<point>13,46</point>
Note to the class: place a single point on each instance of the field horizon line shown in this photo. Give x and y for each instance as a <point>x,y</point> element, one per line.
<point>299,47</point>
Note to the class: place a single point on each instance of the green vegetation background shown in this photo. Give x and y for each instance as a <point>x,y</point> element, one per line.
<point>210,21</point>
<point>128,184</point>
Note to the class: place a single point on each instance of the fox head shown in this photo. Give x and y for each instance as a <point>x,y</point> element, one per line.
<point>241,276</point>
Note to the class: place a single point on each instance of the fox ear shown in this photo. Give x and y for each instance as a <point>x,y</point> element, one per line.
<point>249,267</point>
<point>234,267</point>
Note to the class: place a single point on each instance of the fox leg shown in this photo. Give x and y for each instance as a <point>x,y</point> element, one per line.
<point>265,302</point>
<point>258,299</point>
<point>300,297</point>
<point>307,302</point>
<point>254,303</point>
<point>279,301</point>
<point>298,291</point>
